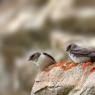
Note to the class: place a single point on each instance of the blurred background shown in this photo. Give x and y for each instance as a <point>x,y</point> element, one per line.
<point>27,26</point>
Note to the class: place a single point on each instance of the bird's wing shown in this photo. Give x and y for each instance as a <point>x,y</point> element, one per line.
<point>81,52</point>
<point>92,54</point>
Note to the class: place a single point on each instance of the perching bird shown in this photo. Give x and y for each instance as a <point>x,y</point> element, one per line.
<point>79,54</point>
<point>42,60</point>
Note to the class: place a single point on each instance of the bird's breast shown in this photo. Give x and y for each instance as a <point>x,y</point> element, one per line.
<point>79,59</point>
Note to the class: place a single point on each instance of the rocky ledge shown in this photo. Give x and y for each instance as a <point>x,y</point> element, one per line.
<point>66,78</point>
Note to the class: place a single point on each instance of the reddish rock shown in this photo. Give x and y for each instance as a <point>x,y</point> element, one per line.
<point>64,78</point>
<point>61,76</point>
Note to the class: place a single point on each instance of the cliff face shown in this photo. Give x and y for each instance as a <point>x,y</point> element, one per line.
<point>27,25</point>
<point>66,78</point>
<point>76,15</point>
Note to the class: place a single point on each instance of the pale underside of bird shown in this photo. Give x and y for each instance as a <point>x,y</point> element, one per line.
<point>78,59</point>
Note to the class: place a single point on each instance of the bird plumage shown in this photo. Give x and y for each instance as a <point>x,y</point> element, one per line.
<point>79,54</point>
<point>42,59</point>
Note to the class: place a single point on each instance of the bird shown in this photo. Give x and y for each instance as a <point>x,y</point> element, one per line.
<point>79,54</point>
<point>42,59</point>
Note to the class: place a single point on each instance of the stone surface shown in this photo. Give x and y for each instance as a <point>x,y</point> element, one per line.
<point>77,15</point>
<point>59,79</point>
<point>65,78</point>
<point>74,19</point>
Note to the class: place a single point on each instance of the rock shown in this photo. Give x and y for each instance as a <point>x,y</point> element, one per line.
<point>65,78</point>
<point>57,79</point>
<point>88,86</point>
<point>77,15</point>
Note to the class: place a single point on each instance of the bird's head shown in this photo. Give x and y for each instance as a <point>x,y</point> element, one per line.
<point>35,56</point>
<point>71,47</point>
<point>42,59</point>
